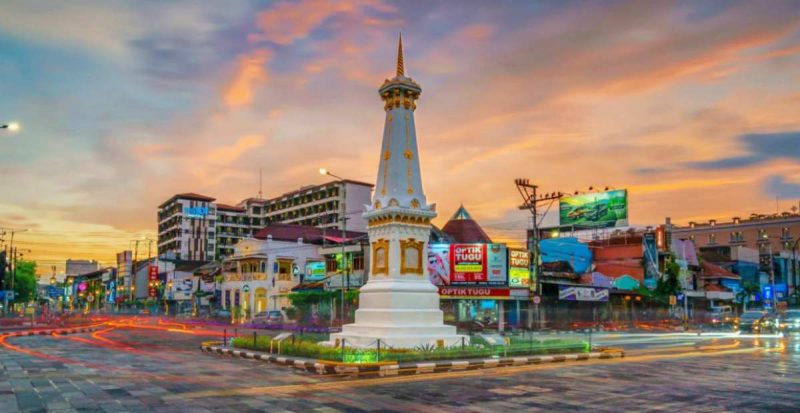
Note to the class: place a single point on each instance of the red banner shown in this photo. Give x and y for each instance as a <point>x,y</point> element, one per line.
<point>468,263</point>
<point>473,292</point>
<point>152,279</point>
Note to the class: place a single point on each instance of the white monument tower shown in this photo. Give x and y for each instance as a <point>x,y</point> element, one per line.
<point>399,305</point>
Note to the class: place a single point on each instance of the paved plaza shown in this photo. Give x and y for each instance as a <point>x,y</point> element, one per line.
<point>136,369</point>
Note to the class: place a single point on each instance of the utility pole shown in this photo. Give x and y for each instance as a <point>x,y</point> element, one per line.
<point>772,279</point>
<point>531,199</point>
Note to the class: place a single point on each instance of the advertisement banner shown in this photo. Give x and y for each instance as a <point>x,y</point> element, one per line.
<point>496,264</point>
<point>572,293</point>
<point>597,210</point>
<point>439,264</point>
<point>474,292</point>
<point>519,270</point>
<point>468,263</point>
<point>152,279</point>
<point>315,271</point>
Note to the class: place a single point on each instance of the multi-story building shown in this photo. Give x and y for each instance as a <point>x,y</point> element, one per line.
<point>195,227</point>
<point>187,227</point>
<point>761,232</point>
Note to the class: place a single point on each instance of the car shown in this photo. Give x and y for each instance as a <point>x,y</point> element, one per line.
<point>756,321</point>
<point>270,318</point>
<point>790,321</point>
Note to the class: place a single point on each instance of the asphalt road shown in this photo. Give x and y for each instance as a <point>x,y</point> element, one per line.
<point>152,367</point>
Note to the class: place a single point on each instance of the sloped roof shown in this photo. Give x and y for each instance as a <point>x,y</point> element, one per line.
<point>464,229</point>
<point>715,271</point>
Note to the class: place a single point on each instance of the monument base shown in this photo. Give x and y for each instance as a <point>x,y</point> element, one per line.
<point>401,314</point>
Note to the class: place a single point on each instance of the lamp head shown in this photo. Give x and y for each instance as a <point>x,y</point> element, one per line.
<point>323,171</point>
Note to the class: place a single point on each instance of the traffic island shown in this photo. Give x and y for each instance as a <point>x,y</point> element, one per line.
<point>393,368</point>
<point>49,332</point>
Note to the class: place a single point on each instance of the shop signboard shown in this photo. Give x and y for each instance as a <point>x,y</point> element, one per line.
<point>111,294</point>
<point>468,263</point>
<point>152,279</point>
<point>572,293</point>
<point>315,271</point>
<point>474,292</point>
<point>519,271</point>
<point>596,210</point>
<point>496,264</point>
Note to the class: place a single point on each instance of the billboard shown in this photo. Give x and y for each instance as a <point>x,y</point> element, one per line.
<point>519,270</point>
<point>467,264</point>
<point>571,293</point>
<point>315,271</point>
<point>598,210</point>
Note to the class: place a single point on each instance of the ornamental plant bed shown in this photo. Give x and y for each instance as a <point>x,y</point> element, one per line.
<point>477,349</point>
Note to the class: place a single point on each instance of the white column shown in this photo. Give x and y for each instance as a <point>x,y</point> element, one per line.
<point>501,322</point>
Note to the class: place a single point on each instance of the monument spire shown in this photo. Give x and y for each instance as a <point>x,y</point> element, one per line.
<point>399,305</point>
<point>400,68</point>
<point>399,183</point>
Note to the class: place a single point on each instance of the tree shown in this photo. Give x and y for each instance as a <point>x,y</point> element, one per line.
<point>744,294</point>
<point>668,284</point>
<point>25,281</point>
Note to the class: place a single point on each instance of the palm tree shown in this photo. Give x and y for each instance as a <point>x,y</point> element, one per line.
<point>744,294</point>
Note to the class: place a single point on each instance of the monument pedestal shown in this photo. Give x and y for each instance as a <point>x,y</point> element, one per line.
<point>402,314</point>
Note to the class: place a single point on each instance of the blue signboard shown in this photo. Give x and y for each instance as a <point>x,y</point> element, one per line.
<point>53,291</point>
<point>195,212</point>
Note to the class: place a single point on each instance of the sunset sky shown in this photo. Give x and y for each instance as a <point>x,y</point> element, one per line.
<point>692,106</point>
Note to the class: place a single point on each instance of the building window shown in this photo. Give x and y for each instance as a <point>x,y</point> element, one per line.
<point>762,234</point>
<point>712,239</point>
<point>331,263</point>
<point>358,262</point>
<point>737,236</point>
<point>785,233</point>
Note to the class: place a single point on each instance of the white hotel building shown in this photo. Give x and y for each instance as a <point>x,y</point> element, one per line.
<point>195,227</point>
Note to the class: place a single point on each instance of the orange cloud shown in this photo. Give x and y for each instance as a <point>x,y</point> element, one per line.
<point>289,21</point>
<point>251,73</point>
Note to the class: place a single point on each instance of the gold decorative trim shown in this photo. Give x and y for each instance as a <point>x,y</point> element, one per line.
<point>377,204</point>
<point>400,219</point>
<point>380,248</point>
<point>415,203</point>
<point>388,143</point>
<point>407,246</point>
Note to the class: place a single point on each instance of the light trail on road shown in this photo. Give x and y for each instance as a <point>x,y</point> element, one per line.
<point>288,390</point>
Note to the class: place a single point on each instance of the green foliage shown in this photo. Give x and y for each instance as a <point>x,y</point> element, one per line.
<point>668,284</point>
<point>747,290</point>
<point>25,282</point>
<point>309,347</point>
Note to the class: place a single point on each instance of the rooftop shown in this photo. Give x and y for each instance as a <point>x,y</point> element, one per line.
<point>188,195</point>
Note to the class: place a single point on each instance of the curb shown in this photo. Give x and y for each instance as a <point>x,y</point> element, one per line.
<point>57,331</point>
<point>407,368</point>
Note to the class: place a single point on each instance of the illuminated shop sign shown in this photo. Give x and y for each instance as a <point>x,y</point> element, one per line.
<point>467,264</point>
<point>195,212</point>
<point>519,271</point>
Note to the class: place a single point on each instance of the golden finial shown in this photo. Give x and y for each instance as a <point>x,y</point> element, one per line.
<point>400,69</point>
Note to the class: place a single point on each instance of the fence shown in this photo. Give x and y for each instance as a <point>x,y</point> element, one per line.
<point>468,347</point>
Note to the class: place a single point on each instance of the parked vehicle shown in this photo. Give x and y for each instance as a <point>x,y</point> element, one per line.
<point>270,318</point>
<point>790,321</point>
<point>756,321</point>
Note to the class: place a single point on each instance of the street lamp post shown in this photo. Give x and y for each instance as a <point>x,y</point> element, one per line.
<point>11,126</point>
<point>345,272</point>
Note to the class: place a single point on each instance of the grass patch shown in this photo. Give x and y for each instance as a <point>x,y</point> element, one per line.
<point>308,347</point>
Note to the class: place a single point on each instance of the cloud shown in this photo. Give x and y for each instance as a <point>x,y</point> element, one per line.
<point>778,186</point>
<point>288,22</point>
<point>251,73</point>
<point>762,147</point>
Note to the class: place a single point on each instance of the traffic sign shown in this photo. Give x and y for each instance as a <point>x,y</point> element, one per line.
<point>537,299</point>
<point>673,300</point>
<point>681,296</point>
